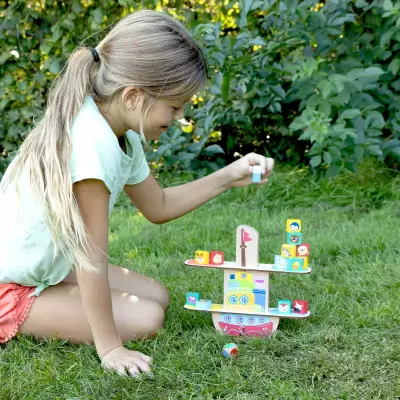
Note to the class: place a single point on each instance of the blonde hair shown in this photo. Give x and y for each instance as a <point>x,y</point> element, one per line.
<point>146,49</point>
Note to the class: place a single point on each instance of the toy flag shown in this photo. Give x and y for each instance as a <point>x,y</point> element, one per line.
<point>246,237</point>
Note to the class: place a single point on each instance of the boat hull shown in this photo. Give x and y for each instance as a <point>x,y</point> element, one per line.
<point>234,329</point>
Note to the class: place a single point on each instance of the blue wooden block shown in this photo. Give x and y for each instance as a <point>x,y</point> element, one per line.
<point>191,298</point>
<point>294,238</point>
<point>284,306</point>
<point>295,263</point>
<point>281,262</point>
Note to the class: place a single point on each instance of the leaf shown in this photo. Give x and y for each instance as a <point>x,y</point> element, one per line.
<point>4,57</point>
<point>327,158</point>
<point>373,72</point>
<point>161,150</point>
<point>258,41</point>
<point>387,5</point>
<point>98,15</point>
<point>387,37</point>
<point>76,6</point>
<point>374,120</point>
<point>390,144</point>
<point>350,113</point>
<point>297,124</point>
<point>394,66</point>
<point>359,152</point>
<point>55,67</point>
<point>341,20</point>
<point>361,4</point>
<point>186,156</point>
<point>214,149</point>
<point>374,150</point>
<point>315,161</point>
<point>279,91</point>
<point>333,170</point>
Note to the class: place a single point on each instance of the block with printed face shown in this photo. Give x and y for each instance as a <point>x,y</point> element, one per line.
<point>202,257</point>
<point>216,257</point>
<point>293,238</point>
<point>284,306</point>
<point>303,250</point>
<point>293,225</point>
<point>288,250</point>
<point>300,306</point>
<point>281,262</point>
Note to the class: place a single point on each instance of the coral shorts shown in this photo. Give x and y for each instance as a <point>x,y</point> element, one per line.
<point>14,308</point>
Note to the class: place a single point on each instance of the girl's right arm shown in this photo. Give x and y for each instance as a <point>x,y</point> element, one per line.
<point>93,199</point>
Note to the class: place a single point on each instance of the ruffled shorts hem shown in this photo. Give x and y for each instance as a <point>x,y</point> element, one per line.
<point>14,308</point>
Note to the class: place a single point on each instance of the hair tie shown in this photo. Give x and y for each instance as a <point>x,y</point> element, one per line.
<point>95,55</point>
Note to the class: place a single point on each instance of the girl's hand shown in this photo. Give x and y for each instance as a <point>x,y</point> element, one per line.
<point>126,361</point>
<point>240,172</point>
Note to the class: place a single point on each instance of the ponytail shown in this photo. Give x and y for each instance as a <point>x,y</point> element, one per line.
<point>46,153</point>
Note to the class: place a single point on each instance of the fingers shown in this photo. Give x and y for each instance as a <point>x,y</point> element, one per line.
<point>133,371</point>
<point>142,365</point>
<point>267,164</point>
<point>131,362</point>
<point>148,359</point>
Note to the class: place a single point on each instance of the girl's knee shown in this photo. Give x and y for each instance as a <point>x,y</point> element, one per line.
<point>161,296</point>
<point>155,318</point>
<point>144,322</point>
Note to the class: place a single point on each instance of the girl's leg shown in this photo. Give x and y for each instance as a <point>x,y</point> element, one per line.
<point>58,312</point>
<point>125,280</point>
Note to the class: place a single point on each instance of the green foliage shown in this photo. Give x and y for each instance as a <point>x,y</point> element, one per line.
<point>300,81</point>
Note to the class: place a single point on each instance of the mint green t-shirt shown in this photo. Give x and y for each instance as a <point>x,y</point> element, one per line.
<point>26,247</point>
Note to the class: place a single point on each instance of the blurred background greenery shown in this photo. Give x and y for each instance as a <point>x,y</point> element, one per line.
<point>307,83</point>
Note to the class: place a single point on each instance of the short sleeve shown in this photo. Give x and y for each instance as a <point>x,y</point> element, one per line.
<point>95,150</point>
<point>140,168</point>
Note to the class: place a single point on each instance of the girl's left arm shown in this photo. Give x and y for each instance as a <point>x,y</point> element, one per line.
<point>162,205</point>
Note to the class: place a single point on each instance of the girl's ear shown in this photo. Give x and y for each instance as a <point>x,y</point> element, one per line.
<point>131,97</point>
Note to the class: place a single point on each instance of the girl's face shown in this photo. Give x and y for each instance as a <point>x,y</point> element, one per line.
<point>162,115</point>
<point>159,118</point>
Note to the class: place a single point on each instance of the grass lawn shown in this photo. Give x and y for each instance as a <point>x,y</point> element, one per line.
<point>349,348</point>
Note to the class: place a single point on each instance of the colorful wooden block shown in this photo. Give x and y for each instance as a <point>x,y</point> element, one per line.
<point>202,257</point>
<point>293,225</point>
<point>191,298</point>
<point>288,250</point>
<point>303,250</point>
<point>203,304</point>
<point>230,350</point>
<point>284,306</point>
<point>293,238</point>
<point>281,262</point>
<point>295,263</point>
<point>300,306</point>
<point>257,170</point>
<point>305,262</point>
<point>216,257</point>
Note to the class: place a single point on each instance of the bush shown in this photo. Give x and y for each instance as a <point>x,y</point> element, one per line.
<point>299,81</point>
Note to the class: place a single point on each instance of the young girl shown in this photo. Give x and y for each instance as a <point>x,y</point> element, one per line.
<point>56,196</point>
